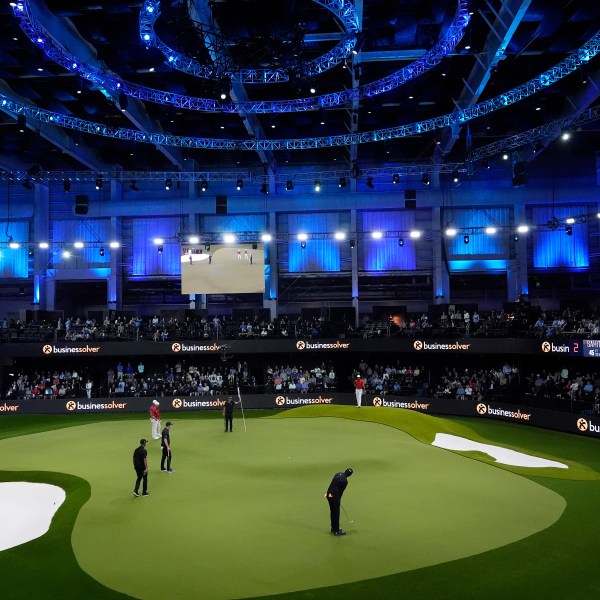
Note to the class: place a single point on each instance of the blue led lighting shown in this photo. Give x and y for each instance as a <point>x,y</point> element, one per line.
<point>109,80</point>
<point>344,11</point>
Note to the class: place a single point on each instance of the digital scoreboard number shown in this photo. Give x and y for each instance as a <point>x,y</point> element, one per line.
<point>590,348</point>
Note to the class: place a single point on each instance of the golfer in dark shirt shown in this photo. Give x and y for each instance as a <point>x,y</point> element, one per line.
<point>167,453</point>
<point>334,495</point>
<point>228,412</point>
<point>140,464</point>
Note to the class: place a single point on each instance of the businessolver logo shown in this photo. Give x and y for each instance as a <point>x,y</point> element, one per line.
<point>546,347</point>
<point>47,349</point>
<point>377,401</point>
<point>280,400</point>
<point>481,409</point>
<point>300,345</point>
<point>418,345</point>
<point>183,347</point>
<point>582,424</point>
<point>70,405</point>
<point>176,347</point>
<point>177,403</point>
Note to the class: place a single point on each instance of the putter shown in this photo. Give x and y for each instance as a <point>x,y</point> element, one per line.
<point>347,517</point>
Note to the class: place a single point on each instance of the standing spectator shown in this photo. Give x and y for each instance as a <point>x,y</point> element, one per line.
<point>359,386</point>
<point>120,370</point>
<point>140,464</point>
<point>166,449</point>
<point>155,419</point>
<point>228,412</point>
<point>88,388</point>
<point>334,497</point>
<point>140,368</point>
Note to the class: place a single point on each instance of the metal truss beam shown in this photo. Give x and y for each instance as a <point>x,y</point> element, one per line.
<point>103,77</point>
<point>548,131</point>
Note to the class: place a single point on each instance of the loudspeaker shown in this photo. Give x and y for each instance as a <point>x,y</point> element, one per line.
<point>82,204</point>
<point>410,194</point>
<point>410,204</point>
<point>221,205</point>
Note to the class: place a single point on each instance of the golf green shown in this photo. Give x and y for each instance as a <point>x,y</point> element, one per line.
<point>244,513</point>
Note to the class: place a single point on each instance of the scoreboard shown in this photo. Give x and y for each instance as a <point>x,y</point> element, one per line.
<point>583,348</point>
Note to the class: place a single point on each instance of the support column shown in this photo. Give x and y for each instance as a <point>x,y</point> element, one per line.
<point>441,278</point>
<point>114,288</point>
<point>354,258</point>
<point>517,272</point>
<point>41,230</point>
<point>271,268</point>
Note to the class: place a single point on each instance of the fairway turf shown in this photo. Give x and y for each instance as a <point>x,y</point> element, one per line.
<point>256,501</point>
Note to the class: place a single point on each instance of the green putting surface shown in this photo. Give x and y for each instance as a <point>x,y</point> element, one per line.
<point>244,514</point>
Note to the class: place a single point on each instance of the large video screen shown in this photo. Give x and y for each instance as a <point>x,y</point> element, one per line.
<point>223,269</point>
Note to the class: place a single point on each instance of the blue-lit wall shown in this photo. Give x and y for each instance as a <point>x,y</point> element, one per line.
<point>86,231</point>
<point>386,254</point>
<point>13,261</point>
<point>319,255</point>
<point>552,249</point>
<point>146,258</point>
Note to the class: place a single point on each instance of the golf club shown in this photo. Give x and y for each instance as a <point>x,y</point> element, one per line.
<point>347,517</point>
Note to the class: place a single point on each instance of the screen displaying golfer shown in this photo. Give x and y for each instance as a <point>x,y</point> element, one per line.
<point>334,495</point>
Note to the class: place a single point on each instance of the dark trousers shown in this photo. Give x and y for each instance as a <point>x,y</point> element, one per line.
<point>229,421</point>
<point>141,476</point>
<point>166,455</point>
<point>334,511</point>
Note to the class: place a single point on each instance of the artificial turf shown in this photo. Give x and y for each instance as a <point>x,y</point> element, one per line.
<point>429,523</point>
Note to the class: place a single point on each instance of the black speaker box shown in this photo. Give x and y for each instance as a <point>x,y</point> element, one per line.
<point>82,204</point>
<point>410,204</point>
<point>221,205</point>
<point>410,194</point>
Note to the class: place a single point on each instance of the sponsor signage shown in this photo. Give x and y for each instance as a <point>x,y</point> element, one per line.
<point>484,409</point>
<point>393,403</point>
<point>283,401</point>
<point>52,349</point>
<point>304,345</point>
<point>455,346</point>
<point>177,347</point>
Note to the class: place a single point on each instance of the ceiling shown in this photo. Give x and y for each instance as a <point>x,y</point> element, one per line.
<point>505,44</point>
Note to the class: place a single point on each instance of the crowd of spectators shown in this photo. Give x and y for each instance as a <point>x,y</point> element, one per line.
<point>135,380</point>
<point>563,385</point>
<point>441,322</point>
<point>298,379</point>
<point>396,379</point>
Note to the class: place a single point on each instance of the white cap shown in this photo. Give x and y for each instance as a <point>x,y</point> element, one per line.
<point>155,402</point>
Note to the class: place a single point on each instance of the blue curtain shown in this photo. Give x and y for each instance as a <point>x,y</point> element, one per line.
<point>553,249</point>
<point>234,223</point>
<point>386,254</point>
<point>86,231</point>
<point>146,258</point>
<point>13,262</point>
<point>480,244</point>
<point>319,255</point>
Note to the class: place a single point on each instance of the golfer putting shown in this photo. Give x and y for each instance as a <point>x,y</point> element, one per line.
<point>334,494</point>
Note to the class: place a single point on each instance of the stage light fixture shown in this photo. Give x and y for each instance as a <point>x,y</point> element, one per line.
<point>27,184</point>
<point>302,237</point>
<point>466,239</point>
<point>168,184</point>
<point>569,230</point>
<point>99,183</point>
<point>44,245</point>
<point>491,230</point>
<point>101,251</point>
<point>302,245</point>
<point>207,247</point>
<point>203,185</point>
<point>254,246</point>
<point>264,189</point>
<point>229,238</point>
<point>339,235</point>
<point>239,184</point>
<point>12,244</point>
<point>158,241</point>
<point>396,178</point>
<point>570,221</point>
<point>123,102</point>
<point>266,237</point>
<point>78,245</point>
<point>352,244</point>
<point>370,183</point>
<point>376,235</point>
<point>523,228</point>
<point>415,235</point>
<point>425,179</point>
<point>67,185</point>
<point>194,239</point>
<point>455,176</point>
<point>317,186</point>
<point>451,231</point>
<point>342,182</point>
<point>516,237</point>
<point>160,248</point>
<point>114,245</point>
<point>133,186</point>
<point>401,242</point>
<point>21,123</point>
<point>289,186</point>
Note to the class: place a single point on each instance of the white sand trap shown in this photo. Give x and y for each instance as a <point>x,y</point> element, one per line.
<point>501,455</point>
<point>26,511</point>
